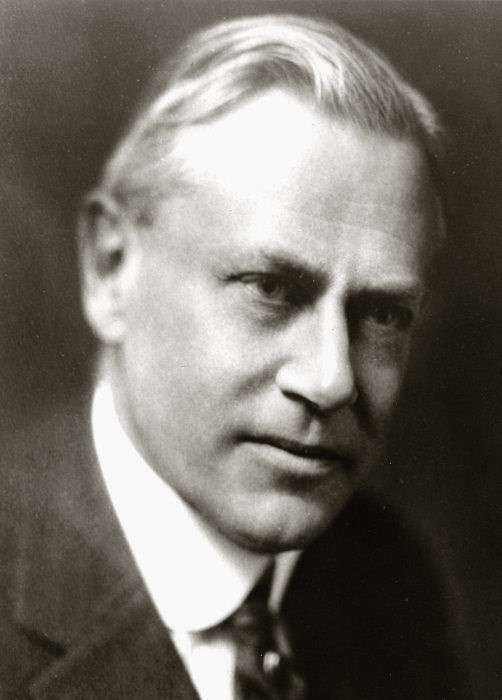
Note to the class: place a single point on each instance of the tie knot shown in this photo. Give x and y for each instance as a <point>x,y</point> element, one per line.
<point>253,620</point>
<point>264,664</point>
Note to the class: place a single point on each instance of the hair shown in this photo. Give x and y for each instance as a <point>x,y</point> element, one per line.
<point>219,68</point>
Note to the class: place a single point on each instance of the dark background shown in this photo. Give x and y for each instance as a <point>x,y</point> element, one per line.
<point>70,71</point>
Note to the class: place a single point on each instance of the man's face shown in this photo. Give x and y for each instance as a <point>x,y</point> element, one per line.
<point>267,324</point>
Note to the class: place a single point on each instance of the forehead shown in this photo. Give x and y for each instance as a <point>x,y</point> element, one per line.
<point>277,148</point>
<point>277,173</point>
<point>285,130</point>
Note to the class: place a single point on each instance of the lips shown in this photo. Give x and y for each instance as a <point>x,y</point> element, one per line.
<point>315,452</point>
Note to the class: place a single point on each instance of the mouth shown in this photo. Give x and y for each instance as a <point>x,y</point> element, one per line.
<point>317,453</point>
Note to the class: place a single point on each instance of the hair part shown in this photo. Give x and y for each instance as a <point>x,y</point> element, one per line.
<point>221,67</point>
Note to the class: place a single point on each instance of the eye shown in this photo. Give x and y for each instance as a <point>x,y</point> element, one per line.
<point>271,288</point>
<point>269,285</point>
<point>277,291</point>
<point>384,313</point>
<point>394,315</point>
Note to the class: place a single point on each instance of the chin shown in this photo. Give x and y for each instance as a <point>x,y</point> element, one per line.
<point>271,531</point>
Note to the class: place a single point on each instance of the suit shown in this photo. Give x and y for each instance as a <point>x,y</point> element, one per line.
<point>363,605</point>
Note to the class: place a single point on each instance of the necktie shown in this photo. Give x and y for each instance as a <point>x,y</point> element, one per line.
<point>264,664</point>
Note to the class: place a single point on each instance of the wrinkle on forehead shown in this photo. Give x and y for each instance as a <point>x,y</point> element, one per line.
<point>378,183</point>
<point>316,213</point>
<point>277,166</point>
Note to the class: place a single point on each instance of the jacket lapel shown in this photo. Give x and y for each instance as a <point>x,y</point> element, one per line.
<point>126,654</point>
<point>79,595</point>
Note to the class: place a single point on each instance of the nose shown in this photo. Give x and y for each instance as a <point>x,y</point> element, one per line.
<point>318,369</point>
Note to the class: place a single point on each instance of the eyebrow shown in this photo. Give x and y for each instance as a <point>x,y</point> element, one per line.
<point>296,267</point>
<point>290,264</point>
<point>410,297</point>
<point>390,289</point>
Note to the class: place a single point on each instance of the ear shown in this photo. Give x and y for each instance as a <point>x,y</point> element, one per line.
<point>109,259</point>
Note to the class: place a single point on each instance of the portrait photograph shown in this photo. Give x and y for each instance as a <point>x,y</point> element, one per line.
<point>251,350</point>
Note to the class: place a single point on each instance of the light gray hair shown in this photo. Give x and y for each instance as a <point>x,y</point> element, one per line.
<point>221,67</point>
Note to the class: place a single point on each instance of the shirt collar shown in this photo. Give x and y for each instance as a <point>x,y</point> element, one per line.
<point>195,576</point>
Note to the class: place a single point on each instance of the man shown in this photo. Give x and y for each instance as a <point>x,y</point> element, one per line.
<point>253,262</point>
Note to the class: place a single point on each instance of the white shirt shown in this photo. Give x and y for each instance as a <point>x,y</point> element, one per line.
<point>195,577</point>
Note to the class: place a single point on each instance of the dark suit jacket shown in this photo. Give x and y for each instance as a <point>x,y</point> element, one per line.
<point>76,621</point>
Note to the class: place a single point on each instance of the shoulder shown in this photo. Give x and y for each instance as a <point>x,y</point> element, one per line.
<point>37,453</point>
<point>30,456</point>
<point>385,571</point>
<point>370,596</point>
<point>41,466</point>
<point>61,550</point>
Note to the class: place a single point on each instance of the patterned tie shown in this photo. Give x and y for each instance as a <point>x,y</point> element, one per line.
<point>264,664</point>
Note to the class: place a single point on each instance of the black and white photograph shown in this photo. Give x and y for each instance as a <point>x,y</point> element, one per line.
<point>251,350</point>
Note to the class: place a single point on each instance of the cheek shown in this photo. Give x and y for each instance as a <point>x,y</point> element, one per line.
<point>380,385</point>
<point>189,338</point>
<point>185,356</point>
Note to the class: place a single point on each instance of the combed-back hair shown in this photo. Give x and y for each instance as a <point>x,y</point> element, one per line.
<point>221,67</point>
